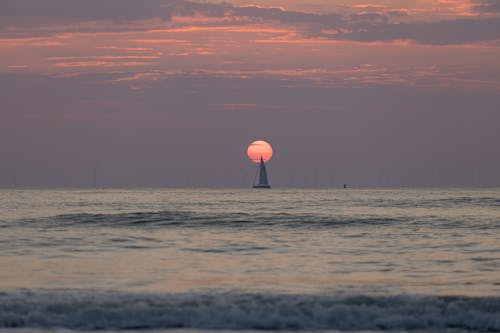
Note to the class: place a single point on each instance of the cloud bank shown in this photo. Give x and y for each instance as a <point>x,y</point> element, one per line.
<point>487,6</point>
<point>47,16</point>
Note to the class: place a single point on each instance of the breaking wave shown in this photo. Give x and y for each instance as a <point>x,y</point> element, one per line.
<point>92,311</point>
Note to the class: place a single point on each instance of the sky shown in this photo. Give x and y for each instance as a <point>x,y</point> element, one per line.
<point>169,93</point>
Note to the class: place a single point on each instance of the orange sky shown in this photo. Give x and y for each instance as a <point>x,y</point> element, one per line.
<point>323,49</point>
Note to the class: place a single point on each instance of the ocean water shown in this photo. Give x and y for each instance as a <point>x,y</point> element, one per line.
<point>191,260</point>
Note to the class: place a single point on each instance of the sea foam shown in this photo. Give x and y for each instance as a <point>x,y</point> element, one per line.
<point>246,311</point>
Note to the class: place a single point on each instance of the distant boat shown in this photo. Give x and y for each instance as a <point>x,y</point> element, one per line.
<point>263,183</point>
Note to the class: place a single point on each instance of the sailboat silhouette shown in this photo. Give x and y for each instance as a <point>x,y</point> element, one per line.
<point>263,183</point>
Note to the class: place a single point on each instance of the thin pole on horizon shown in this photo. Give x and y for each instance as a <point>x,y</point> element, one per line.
<point>94,180</point>
<point>315,178</point>
<point>290,179</point>
<point>472,177</point>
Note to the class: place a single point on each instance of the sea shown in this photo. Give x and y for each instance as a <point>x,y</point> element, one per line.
<point>244,260</point>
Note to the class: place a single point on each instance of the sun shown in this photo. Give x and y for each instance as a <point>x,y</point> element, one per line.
<point>258,149</point>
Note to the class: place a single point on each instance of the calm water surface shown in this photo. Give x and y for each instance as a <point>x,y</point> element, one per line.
<point>334,259</point>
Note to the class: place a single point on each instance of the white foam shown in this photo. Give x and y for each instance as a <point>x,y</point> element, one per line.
<point>89,311</point>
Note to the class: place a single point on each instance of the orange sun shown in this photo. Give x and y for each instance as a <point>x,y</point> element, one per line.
<point>258,149</point>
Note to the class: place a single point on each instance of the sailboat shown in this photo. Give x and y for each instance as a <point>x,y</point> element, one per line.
<point>263,183</point>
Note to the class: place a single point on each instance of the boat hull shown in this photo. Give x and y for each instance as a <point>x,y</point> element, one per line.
<point>261,186</point>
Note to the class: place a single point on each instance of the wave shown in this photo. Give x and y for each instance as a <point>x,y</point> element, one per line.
<point>185,219</point>
<point>453,202</point>
<point>201,220</point>
<point>246,311</point>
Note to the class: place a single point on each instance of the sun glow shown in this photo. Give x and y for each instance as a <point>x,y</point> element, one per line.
<point>258,149</point>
